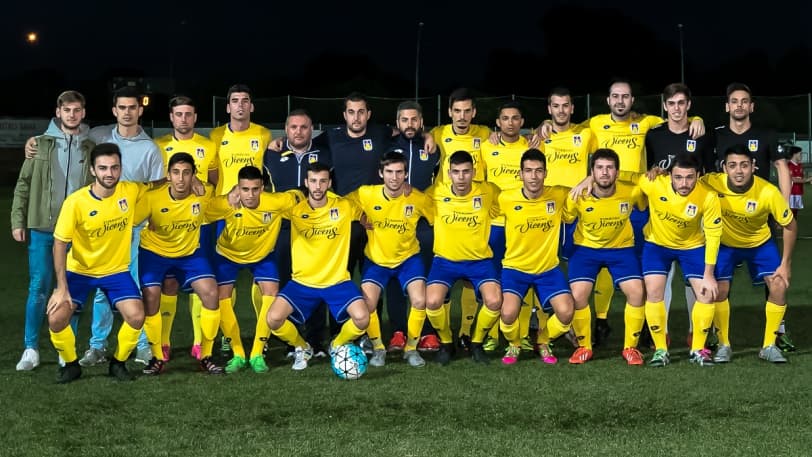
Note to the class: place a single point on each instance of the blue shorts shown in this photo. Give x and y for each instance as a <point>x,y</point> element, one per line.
<point>305,300</point>
<point>761,261</point>
<point>207,240</point>
<point>639,219</point>
<point>497,242</point>
<point>547,285</point>
<point>567,243</point>
<point>585,264</point>
<point>447,272</point>
<point>153,268</point>
<point>117,287</point>
<point>227,270</point>
<point>410,270</point>
<point>657,260</point>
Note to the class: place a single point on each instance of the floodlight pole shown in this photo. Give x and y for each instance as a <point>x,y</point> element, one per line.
<point>417,62</point>
<point>681,55</point>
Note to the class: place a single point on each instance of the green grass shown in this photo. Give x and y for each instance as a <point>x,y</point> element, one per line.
<point>602,408</point>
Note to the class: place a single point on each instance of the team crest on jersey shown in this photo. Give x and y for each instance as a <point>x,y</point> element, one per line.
<point>424,156</point>
<point>550,207</point>
<point>164,210</point>
<point>624,207</point>
<point>751,206</point>
<point>266,217</point>
<point>548,141</point>
<point>495,153</point>
<point>334,214</point>
<point>477,202</point>
<point>312,158</point>
<point>408,210</point>
<point>690,210</point>
<point>377,207</point>
<point>517,208</point>
<point>196,208</point>
<point>477,143</point>
<point>225,142</point>
<point>200,153</point>
<point>448,140</point>
<point>635,127</point>
<point>690,145</point>
<point>752,145</point>
<point>123,204</point>
<point>93,213</point>
<point>254,144</point>
<point>367,145</point>
<point>576,140</point>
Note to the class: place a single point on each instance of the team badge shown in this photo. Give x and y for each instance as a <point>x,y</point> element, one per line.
<point>751,206</point>
<point>164,210</point>
<point>548,141</point>
<point>266,218</point>
<point>254,144</point>
<point>377,207</point>
<point>284,159</point>
<point>123,204</point>
<point>196,208</point>
<point>448,140</point>
<point>752,145</point>
<point>550,207</point>
<point>93,213</point>
<point>635,127</point>
<point>225,142</point>
<point>477,143</point>
<point>495,153</point>
<point>367,145</point>
<point>334,214</point>
<point>690,145</point>
<point>624,207</point>
<point>576,140</point>
<point>690,210</point>
<point>200,153</point>
<point>477,202</point>
<point>517,208</point>
<point>408,211</point>
<point>312,158</point>
<point>424,156</point>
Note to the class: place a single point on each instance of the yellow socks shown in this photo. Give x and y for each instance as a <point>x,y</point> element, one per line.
<point>64,342</point>
<point>604,289</point>
<point>152,327</point>
<point>656,317</point>
<point>262,331</point>
<point>414,326</point>
<point>195,307</point>
<point>511,332</point>
<point>256,299</point>
<point>230,327</point>
<point>582,325</point>
<point>774,314</point>
<point>439,320</point>
<point>484,321</point>
<point>721,320</point>
<point>468,306</point>
<point>633,319</point>
<point>288,333</point>
<point>555,328</point>
<point>701,320</point>
<point>127,339</point>
<point>169,306</point>
<point>209,323</point>
<point>374,331</point>
<point>349,332</point>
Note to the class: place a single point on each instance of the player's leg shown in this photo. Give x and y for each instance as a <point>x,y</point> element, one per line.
<point>345,300</point>
<point>429,342</point>
<point>581,320</point>
<point>634,317</point>
<point>396,310</point>
<point>168,304</point>
<point>437,314</point>
<point>40,285</point>
<point>266,277</point>
<point>702,314</point>
<point>293,304</point>
<point>151,294</point>
<point>122,290</point>
<point>488,316</point>
<point>226,272</point>
<point>514,286</point>
<point>63,337</point>
<point>416,289</point>
<point>208,292</point>
<point>371,291</point>
<point>468,308</point>
<point>766,261</point>
<point>604,291</point>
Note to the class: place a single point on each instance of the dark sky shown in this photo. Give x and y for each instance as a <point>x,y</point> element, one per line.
<point>315,49</point>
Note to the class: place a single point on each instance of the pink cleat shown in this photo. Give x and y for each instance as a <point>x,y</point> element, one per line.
<point>195,352</point>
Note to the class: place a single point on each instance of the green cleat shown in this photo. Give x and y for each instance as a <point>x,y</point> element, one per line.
<point>784,342</point>
<point>236,364</point>
<point>660,358</point>
<point>527,346</point>
<point>258,364</point>
<point>490,344</point>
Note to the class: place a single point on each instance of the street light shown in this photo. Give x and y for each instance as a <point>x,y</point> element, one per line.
<point>32,38</point>
<point>417,61</point>
<point>681,55</point>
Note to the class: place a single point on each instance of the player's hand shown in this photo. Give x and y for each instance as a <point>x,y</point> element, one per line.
<point>782,273</point>
<point>709,288</point>
<point>581,187</point>
<point>428,144</point>
<point>18,234</point>
<point>59,299</point>
<point>545,130</point>
<point>654,172</point>
<point>407,189</point>
<point>533,141</point>
<point>276,144</point>
<point>696,129</point>
<point>365,222</point>
<point>493,138</point>
<point>234,198</point>
<point>197,186</point>
<point>30,148</point>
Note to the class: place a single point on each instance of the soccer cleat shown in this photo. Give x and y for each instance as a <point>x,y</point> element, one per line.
<point>60,361</point>
<point>319,351</point>
<point>70,372</point>
<point>546,354</point>
<point>118,370</point>
<point>143,355</point>
<point>602,332</point>
<point>428,343</point>
<point>195,352</point>
<point>478,354</point>
<point>772,354</point>
<point>511,354</point>
<point>258,364</point>
<point>154,367</point>
<point>413,359</point>
<point>378,358</point>
<point>632,356</point>
<point>581,355</point>
<point>701,357</point>
<point>93,357</point>
<point>443,356</point>
<point>366,345</point>
<point>660,358</point>
<point>225,346</point>
<point>236,364</point>
<point>723,354</point>
<point>527,346</point>
<point>490,344</point>
<point>29,360</point>
<point>166,351</point>
<point>300,357</point>
<point>397,342</point>
<point>208,365</point>
<point>783,341</point>
<point>464,342</point>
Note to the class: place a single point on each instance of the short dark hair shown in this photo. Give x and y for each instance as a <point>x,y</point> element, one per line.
<point>734,86</point>
<point>126,92</point>
<point>512,104</point>
<point>70,96</point>
<point>238,88</point>
<point>356,96</point>
<point>620,80</point>
<point>460,157</point>
<point>459,95</point>
<point>533,154</point>
<point>685,159</point>
<point>300,112</point>
<point>180,100</point>
<point>249,172</point>
<point>182,157</point>
<point>104,149</point>
<point>317,167</point>
<point>559,91</point>
<point>604,153</point>
<point>393,157</point>
<point>409,104</point>
<point>740,150</point>
<point>676,88</point>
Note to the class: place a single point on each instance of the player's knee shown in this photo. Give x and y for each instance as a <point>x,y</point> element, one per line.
<point>362,322</point>
<point>565,315</point>
<point>136,321</point>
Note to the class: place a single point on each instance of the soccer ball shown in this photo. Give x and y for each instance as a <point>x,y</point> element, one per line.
<point>349,362</point>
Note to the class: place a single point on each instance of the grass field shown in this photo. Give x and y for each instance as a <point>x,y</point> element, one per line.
<point>605,408</point>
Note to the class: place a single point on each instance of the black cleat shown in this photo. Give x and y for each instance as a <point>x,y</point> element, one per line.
<point>601,333</point>
<point>210,367</point>
<point>69,373</point>
<point>443,356</point>
<point>478,354</point>
<point>464,342</point>
<point>118,370</point>
<point>154,367</point>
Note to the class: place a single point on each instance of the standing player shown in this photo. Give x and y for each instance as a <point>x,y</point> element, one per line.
<point>604,239</point>
<point>463,210</point>
<point>43,184</point>
<point>796,170</point>
<point>748,201</point>
<point>532,227</point>
<point>320,226</point>
<point>97,222</point>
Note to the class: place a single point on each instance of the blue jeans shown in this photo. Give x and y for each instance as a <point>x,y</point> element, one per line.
<point>102,311</point>
<point>40,284</point>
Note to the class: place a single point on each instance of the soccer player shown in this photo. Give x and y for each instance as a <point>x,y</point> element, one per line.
<point>392,251</point>
<point>97,222</point>
<point>172,245</point>
<point>796,169</point>
<point>604,239</point>
<point>532,215</point>
<point>663,143</point>
<point>320,227</point>
<point>247,241</point>
<point>463,210</point>
<point>42,186</point>
<point>685,228</point>
<point>748,201</point>
<point>183,116</point>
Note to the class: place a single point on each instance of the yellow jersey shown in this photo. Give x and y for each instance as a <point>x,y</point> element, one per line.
<point>236,150</point>
<point>174,225</point>
<point>503,166</point>
<point>604,222</point>
<point>449,142</point>
<point>202,150</point>
<point>462,224</point>
<point>567,155</point>
<point>627,138</point>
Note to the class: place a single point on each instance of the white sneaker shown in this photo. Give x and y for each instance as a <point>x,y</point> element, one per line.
<point>29,360</point>
<point>143,356</point>
<point>300,357</point>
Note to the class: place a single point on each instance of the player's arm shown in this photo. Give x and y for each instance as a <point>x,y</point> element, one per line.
<point>784,177</point>
<point>783,215</point>
<point>214,170</point>
<point>61,295</point>
<point>570,211</point>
